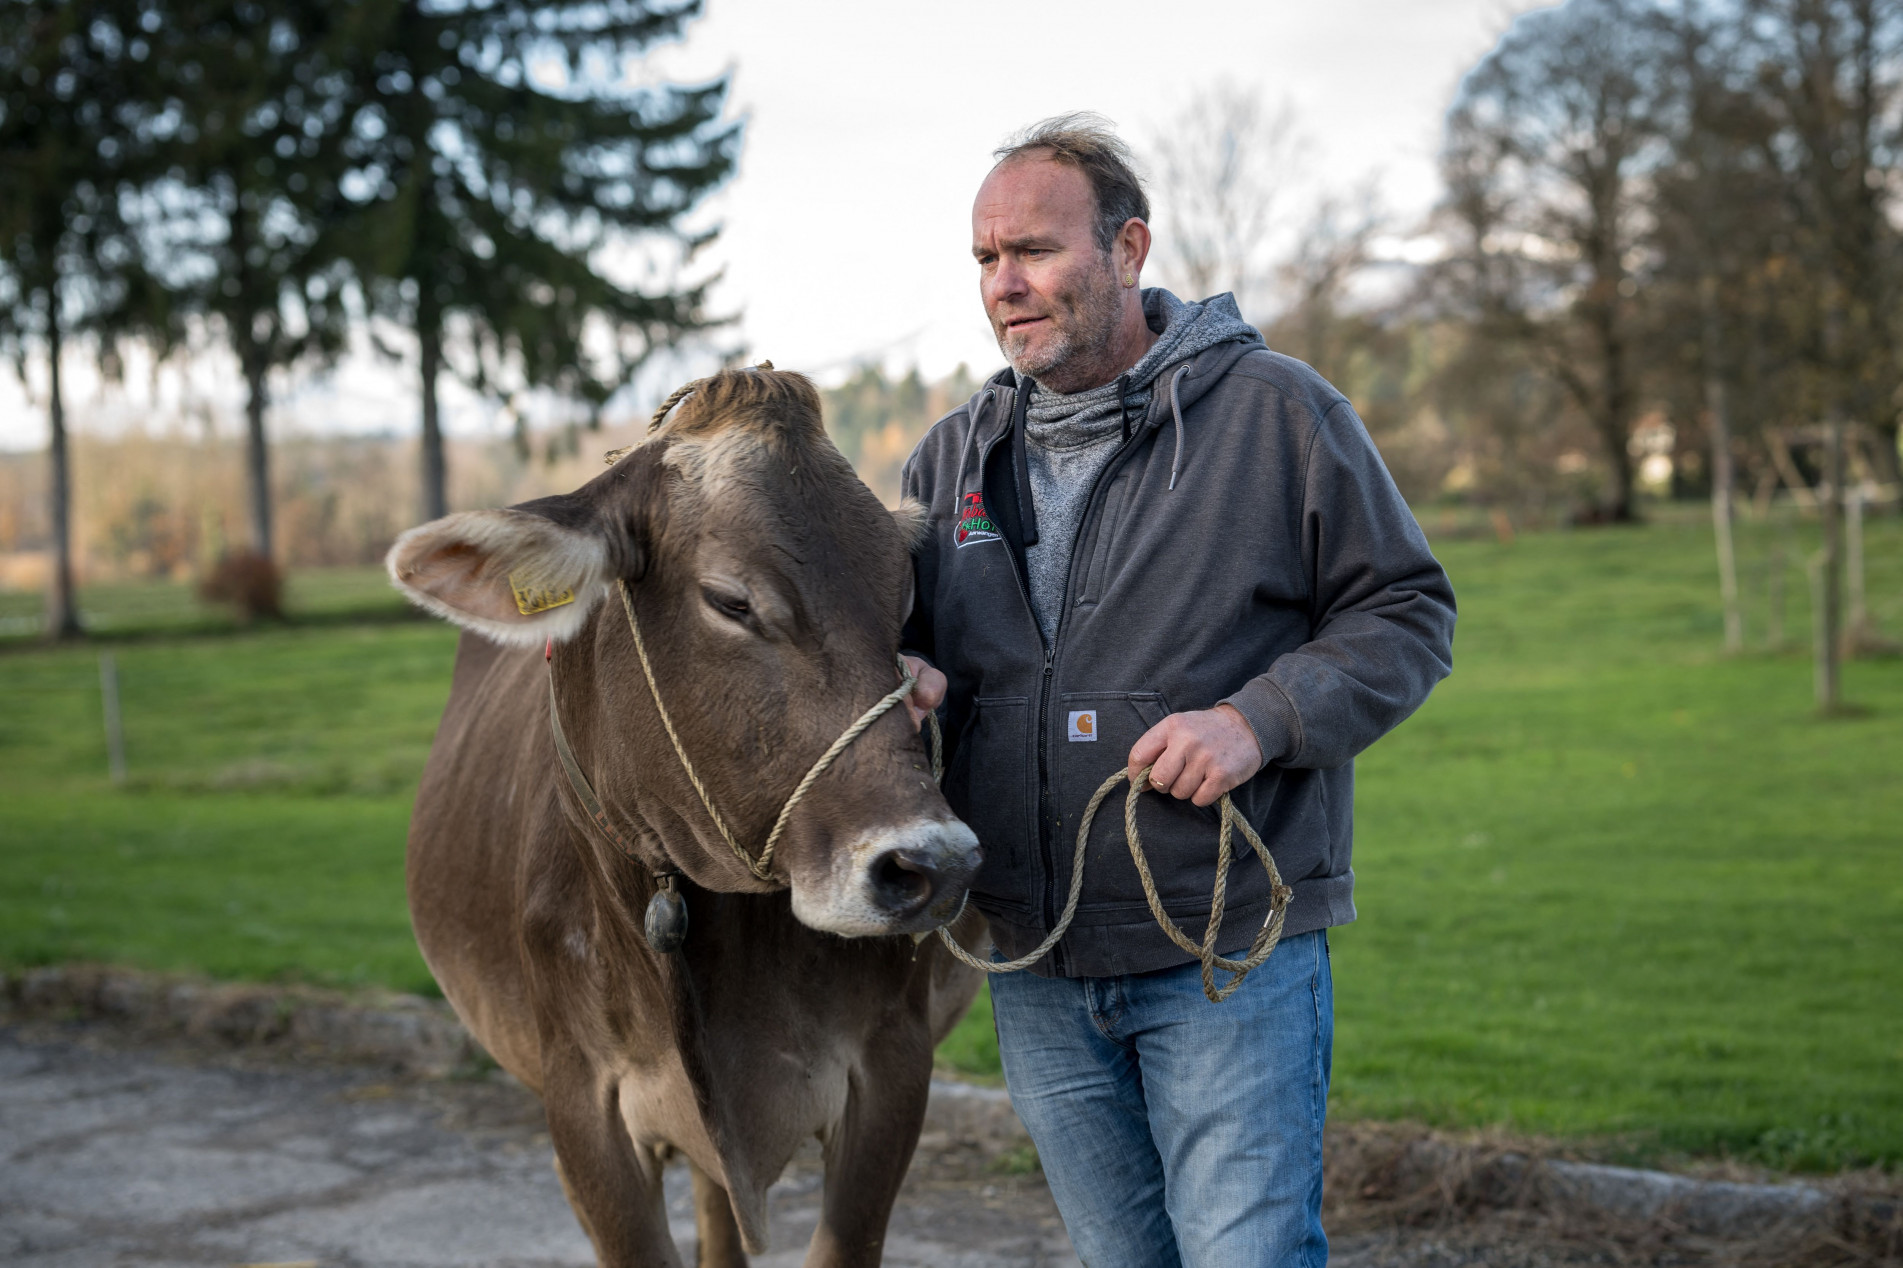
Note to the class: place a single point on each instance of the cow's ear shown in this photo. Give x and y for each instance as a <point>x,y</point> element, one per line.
<point>517,576</point>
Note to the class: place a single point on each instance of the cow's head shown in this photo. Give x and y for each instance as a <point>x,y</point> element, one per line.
<point>770,586</point>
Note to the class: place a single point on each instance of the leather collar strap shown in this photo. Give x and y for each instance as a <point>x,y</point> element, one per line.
<point>584,791</point>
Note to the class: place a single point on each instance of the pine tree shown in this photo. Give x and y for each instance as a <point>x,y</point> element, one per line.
<point>491,192</point>
<point>252,105</point>
<point>70,145</point>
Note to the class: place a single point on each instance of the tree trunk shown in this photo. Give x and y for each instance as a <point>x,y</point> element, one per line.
<point>1618,441</point>
<point>1859,633</point>
<point>257,456</point>
<point>62,613</point>
<point>1889,471</point>
<point>1830,586</point>
<point>1721,477</point>
<point>435,471</point>
<point>1616,402</point>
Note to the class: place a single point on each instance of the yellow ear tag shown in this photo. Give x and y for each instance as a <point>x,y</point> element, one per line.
<point>532,599</point>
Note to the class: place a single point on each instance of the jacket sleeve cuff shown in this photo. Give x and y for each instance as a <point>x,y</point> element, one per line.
<point>1277,727</point>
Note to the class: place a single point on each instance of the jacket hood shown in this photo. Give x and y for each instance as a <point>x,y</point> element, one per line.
<point>1207,337</point>
<point>1197,344</point>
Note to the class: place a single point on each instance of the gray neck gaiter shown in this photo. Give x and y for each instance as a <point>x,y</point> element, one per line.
<point>1070,439</point>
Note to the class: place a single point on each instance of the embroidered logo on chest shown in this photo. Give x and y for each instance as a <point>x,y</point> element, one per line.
<point>1083,726</point>
<point>974,525</point>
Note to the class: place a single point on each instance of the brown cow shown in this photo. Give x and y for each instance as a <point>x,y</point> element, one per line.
<point>770,586</point>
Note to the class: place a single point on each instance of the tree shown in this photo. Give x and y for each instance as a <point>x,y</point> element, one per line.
<point>501,154</point>
<point>1226,164</point>
<point>1549,141</point>
<point>1715,220</point>
<point>1829,73</point>
<point>877,421</point>
<point>68,261</point>
<point>1330,249</point>
<point>251,105</point>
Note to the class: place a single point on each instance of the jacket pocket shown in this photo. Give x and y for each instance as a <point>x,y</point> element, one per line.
<point>989,786</point>
<point>1178,839</point>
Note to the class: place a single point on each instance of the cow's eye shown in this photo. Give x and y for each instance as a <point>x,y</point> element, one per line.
<point>732,606</point>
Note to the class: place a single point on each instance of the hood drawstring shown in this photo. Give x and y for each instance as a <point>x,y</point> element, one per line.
<point>964,450</point>
<point>1176,410</point>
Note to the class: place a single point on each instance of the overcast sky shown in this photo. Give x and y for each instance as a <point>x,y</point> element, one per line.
<point>870,125</point>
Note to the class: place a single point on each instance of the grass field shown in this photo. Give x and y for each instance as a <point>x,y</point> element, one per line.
<point>1614,886</point>
<point>146,609</point>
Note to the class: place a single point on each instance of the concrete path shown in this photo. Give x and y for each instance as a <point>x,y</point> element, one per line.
<point>123,1157</point>
<point>116,1153</point>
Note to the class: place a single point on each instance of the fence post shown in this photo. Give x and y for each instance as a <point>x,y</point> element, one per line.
<point>1857,631</point>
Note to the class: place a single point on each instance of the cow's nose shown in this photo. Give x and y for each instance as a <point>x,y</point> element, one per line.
<point>905,877</point>
<point>924,872</point>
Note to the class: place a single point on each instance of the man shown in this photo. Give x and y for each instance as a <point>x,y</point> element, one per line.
<point>1153,542</point>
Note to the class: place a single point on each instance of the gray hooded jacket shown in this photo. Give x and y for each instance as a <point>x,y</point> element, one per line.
<point>1282,574</point>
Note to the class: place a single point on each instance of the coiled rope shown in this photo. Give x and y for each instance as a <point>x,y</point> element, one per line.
<point>1260,948</point>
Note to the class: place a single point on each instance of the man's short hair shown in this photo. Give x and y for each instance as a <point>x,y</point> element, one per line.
<point>1090,144</point>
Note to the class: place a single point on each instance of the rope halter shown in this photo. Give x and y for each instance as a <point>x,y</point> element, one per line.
<point>762,864</point>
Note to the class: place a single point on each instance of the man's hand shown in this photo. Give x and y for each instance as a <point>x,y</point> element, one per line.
<point>1199,755</point>
<point>930,692</point>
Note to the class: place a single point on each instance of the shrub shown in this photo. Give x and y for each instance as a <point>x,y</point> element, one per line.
<point>249,582</point>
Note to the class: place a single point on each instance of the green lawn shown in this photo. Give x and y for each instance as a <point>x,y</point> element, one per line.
<point>1611,881</point>
<point>261,830</point>
<point>146,608</point>
<point>1614,886</point>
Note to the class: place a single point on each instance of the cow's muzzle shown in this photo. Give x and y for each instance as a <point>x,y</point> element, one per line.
<point>906,879</point>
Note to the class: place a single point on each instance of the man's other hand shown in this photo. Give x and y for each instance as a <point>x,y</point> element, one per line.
<point>1198,756</point>
<point>930,692</point>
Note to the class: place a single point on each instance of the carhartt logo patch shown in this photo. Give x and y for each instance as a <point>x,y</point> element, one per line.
<point>1083,726</point>
<point>974,525</point>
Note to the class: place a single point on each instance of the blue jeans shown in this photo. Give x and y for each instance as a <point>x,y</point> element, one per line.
<point>1175,1131</point>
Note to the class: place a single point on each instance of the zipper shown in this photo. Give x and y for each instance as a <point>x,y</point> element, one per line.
<point>1046,804</point>
<point>1042,798</point>
<point>1046,801</point>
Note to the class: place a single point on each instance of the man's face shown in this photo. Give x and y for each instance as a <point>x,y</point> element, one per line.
<point>1051,295</point>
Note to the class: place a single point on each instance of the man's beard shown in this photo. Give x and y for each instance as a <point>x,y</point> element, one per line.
<point>1085,321</point>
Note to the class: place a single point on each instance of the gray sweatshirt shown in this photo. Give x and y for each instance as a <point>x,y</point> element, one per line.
<point>1244,545</point>
<point>1070,437</point>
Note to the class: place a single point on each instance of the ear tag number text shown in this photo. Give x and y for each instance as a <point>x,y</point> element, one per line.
<point>530,599</point>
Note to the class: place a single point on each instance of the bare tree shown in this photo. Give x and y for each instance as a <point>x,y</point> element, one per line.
<point>1548,146</point>
<point>1224,167</point>
<point>1829,71</point>
<point>1331,248</point>
<point>1714,213</point>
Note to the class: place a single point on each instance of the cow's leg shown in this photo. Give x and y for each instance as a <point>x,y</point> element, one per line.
<point>568,1191</point>
<point>713,1217</point>
<point>866,1158</point>
<point>615,1190</point>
